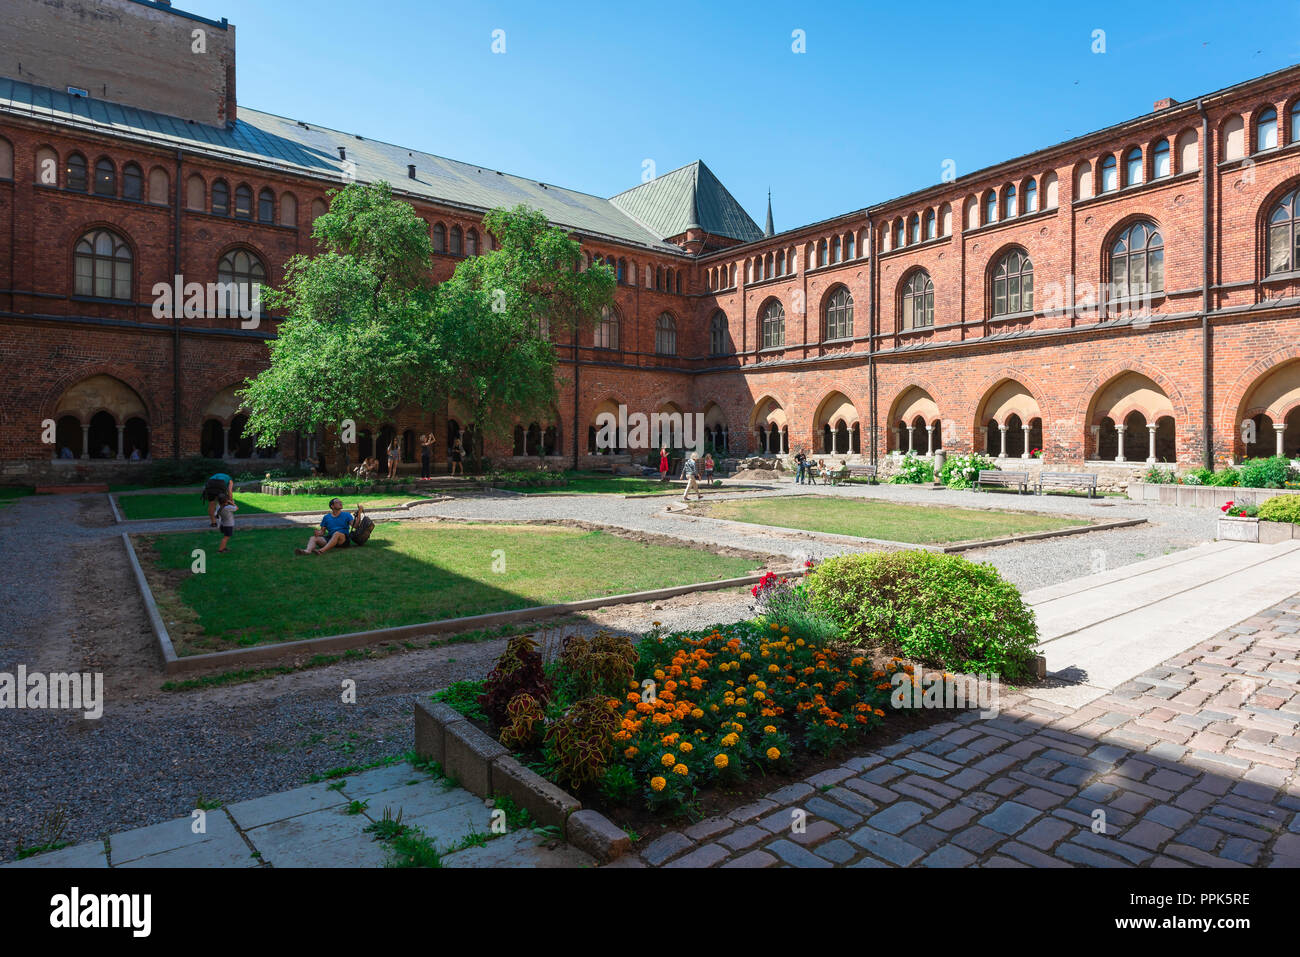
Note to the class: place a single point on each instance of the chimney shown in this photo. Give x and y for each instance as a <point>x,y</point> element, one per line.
<point>410,170</point>
<point>1164,104</point>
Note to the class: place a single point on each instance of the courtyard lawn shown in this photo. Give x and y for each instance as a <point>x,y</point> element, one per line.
<point>189,505</point>
<point>260,591</point>
<point>915,524</point>
<point>595,482</point>
<point>10,494</point>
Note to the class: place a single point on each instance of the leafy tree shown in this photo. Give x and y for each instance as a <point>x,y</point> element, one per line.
<point>367,331</point>
<point>499,315</point>
<point>359,337</point>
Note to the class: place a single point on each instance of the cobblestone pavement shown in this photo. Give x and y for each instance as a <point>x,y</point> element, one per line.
<point>1191,763</point>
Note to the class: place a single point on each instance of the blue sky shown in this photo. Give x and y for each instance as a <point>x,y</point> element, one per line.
<point>585,93</point>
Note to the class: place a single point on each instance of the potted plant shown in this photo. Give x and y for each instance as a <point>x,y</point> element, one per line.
<point>1238,523</point>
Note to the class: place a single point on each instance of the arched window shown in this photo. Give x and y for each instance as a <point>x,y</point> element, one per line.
<point>6,159</point>
<point>1284,235</point>
<point>1109,174</point>
<point>103,261</point>
<point>918,301</point>
<point>849,247</point>
<point>220,198</point>
<point>1266,130</point>
<point>1137,262</point>
<point>822,258</point>
<point>898,234</point>
<point>839,314</point>
<point>455,247</point>
<point>1009,202</point>
<point>914,229</point>
<point>1295,122</point>
<point>929,224</point>
<point>1133,167</point>
<point>607,329</point>
<point>439,238</point>
<point>243,202</point>
<point>471,242</point>
<point>677,275</point>
<point>240,273</point>
<point>773,324</point>
<point>719,340</point>
<point>194,192</point>
<point>622,271</point>
<point>266,206</point>
<point>835,249</point>
<point>132,182</point>
<point>666,335</point>
<point>990,207</point>
<point>1031,196</point>
<point>75,172</point>
<point>1013,284</point>
<point>1160,159</point>
<point>105,177</point>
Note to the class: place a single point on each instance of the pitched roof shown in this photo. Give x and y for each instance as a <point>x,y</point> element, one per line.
<point>686,198</point>
<point>275,140</point>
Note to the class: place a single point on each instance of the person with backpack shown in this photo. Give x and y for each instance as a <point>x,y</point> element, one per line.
<point>218,484</point>
<point>338,529</point>
<point>690,471</point>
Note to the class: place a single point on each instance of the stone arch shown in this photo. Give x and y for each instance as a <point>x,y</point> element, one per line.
<point>1123,408</point>
<point>103,406</point>
<point>1011,414</point>
<point>1271,399</point>
<point>833,424</point>
<point>913,404</point>
<point>769,426</point>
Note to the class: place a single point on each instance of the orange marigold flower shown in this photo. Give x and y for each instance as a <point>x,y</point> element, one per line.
<point>680,769</point>
<point>668,759</point>
<point>631,752</point>
<point>687,747</point>
<point>720,761</point>
<point>773,754</point>
<point>770,729</point>
<point>658,783</point>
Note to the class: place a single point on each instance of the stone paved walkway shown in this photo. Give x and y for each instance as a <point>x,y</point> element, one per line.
<point>311,827</point>
<point>1193,762</point>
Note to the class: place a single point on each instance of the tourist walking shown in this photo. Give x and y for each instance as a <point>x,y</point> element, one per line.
<point>689,472</point>
<point>217,484</point>
<point>663,465</point>
<point>426,455</point>
<point>708,468</point>
<point>226,510</point>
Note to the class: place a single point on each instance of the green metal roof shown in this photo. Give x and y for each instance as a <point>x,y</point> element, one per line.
<point>686,198</point>
<point>266,138</point>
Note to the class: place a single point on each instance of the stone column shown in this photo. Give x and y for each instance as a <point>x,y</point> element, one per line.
<point>929,439</point>
<point>984,435</point>
<point>1279,429</point>
<point>1119,432</point>
<point>1025,453</point>
<point>121,433</point>
<point>1151,444</point>
<point>85,441</point>
<point>1002,449</point>
<point>911,429</point>
<point>225,441</point>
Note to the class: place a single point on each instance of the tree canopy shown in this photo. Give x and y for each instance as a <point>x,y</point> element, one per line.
<point>366,330</point>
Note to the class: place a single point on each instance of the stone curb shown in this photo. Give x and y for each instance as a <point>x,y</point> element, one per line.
<point>485,768</point>
<point>178,664</point>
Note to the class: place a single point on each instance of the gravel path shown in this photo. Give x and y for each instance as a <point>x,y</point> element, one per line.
<point>69,604</point>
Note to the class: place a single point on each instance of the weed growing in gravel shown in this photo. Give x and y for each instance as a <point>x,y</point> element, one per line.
<point>356,807</point>
<point>413,848</point>
<point>388,826</point>
<point>205,804</point>
<point>50,835</point>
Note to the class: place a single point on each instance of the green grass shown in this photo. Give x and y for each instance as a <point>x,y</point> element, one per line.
<point>189,505</point>
<point>10,494</point>
<point>594,482</point>
<point>915,524</point>
<point>408,573</point>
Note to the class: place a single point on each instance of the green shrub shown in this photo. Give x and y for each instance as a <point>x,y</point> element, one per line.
<point>960,471</point>
<point>1265,473</point>
<point>913,471</point>
<point>940,610</point>
<point>1224,478</point>
<point>1159,475</point>
<point>1281,508</point>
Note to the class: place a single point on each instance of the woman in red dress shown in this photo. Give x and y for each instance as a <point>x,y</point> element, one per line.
<point>663,465</point>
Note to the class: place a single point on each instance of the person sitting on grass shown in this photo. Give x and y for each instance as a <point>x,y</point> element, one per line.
<point>333,531</point>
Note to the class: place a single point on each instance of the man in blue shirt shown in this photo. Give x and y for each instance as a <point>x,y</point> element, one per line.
<point>333,531</point>
<point>212,489</point>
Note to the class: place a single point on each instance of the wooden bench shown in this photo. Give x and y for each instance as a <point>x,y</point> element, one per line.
<point>1084,480</point>
<point>854,471</point>
<point>1019,480</point>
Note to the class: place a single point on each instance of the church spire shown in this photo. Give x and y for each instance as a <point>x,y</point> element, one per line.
<point>768,230</point>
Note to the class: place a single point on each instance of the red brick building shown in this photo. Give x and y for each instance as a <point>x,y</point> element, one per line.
<point>1130,295</point>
